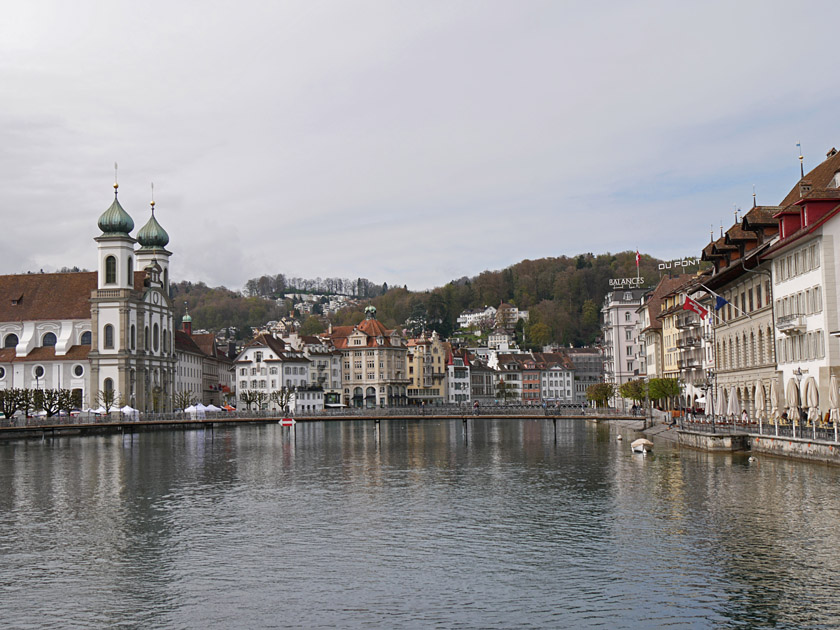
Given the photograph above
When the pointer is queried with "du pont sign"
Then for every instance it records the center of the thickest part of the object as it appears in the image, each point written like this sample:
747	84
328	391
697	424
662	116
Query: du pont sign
682	262
632	283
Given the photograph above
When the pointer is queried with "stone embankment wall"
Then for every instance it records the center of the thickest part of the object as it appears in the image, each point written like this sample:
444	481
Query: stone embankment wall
798	448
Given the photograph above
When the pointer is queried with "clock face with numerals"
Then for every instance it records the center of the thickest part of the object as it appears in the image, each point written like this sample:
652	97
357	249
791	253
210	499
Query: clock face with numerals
155	298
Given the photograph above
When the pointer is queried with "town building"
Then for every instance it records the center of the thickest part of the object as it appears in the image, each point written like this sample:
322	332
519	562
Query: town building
426	360
375	370
476	318
620	326
743	326
804	266
588	366
458	378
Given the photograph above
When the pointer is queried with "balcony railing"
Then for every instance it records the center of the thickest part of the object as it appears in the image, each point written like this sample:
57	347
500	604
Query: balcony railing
688	342
687	322
790	324
689	364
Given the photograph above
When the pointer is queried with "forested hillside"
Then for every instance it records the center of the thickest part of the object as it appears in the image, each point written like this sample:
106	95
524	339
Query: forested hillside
563	296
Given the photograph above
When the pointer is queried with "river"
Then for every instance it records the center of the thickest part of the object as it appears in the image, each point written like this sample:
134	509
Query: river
505	523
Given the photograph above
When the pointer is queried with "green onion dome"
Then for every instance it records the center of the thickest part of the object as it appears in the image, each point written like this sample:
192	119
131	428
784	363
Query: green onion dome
152	234
115	220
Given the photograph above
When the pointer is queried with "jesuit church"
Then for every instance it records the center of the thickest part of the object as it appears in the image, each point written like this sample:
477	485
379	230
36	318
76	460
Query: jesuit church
91	332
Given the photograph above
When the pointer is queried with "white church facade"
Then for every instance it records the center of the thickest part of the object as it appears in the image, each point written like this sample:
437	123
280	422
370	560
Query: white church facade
110	330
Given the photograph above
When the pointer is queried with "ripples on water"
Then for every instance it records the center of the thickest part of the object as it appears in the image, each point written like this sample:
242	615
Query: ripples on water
410	526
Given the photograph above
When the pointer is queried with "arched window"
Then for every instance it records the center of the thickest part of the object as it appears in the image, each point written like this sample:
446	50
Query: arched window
130	278
11	341
163	342
49	340
110	270
133	336
146	338
85	339
108	336
155	337
166	279
108	385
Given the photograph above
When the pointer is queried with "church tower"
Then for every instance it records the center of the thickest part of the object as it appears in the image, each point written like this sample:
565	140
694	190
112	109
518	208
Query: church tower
132	358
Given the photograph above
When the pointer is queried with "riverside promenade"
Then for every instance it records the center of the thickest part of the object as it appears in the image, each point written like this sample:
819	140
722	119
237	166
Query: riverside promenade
40	428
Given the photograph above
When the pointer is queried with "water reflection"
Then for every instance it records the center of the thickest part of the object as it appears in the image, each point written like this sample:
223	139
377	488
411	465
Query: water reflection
501	523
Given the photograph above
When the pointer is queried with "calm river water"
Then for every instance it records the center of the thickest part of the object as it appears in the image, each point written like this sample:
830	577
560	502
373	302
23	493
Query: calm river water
411	526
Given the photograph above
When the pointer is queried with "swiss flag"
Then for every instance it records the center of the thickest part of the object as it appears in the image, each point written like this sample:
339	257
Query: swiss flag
691	305
638	257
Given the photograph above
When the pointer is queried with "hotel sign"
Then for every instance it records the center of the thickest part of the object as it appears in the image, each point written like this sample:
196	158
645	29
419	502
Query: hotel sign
681	262
628	283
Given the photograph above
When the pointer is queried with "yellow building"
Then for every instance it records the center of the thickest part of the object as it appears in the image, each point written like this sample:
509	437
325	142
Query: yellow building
427	370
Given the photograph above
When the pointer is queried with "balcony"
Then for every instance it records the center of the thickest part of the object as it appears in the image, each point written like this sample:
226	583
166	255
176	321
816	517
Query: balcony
689	364
687	322
791	324
688	341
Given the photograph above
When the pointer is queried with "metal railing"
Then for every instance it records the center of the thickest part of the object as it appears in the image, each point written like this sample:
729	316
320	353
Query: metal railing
823	431
465	409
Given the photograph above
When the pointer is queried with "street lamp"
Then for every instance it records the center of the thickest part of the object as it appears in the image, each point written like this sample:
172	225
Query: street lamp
708	386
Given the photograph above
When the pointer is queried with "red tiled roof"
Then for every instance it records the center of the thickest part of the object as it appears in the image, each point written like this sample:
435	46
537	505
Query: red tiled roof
74	353
43	296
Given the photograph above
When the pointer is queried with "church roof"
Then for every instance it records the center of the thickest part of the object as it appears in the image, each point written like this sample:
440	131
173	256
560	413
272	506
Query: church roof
152	235
115	221
40	296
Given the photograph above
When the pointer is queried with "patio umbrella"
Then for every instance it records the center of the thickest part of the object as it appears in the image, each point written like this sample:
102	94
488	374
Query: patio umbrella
720	403
775	405
760	403
833	403
792	402
812	399
734	407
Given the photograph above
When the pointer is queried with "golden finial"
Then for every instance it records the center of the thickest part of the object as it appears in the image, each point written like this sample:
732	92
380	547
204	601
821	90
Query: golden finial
153	198
801	158
116	185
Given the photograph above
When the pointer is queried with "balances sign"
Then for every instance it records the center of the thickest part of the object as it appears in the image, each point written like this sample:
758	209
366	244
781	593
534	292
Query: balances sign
618	283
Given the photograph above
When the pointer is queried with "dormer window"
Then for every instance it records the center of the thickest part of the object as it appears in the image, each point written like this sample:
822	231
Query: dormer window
835	181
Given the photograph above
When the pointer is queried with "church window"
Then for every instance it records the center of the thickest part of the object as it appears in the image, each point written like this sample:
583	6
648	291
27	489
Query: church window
85	338
109	336
163	343
78	370
130	278
108	385
110	270
146	338
155	337
133	336
2	372
48	340
11	341
38	372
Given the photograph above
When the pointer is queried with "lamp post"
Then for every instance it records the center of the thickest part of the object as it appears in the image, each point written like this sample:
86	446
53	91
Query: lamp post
709	386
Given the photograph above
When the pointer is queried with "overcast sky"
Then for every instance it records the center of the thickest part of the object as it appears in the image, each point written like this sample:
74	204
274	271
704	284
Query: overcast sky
406	142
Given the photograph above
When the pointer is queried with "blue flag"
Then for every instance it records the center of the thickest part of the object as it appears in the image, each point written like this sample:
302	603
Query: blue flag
720	302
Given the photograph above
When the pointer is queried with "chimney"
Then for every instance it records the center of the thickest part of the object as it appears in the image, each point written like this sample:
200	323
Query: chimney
831	153
804	187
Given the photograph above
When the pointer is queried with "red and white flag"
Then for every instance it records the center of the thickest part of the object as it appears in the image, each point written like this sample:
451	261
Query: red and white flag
691	305
638	258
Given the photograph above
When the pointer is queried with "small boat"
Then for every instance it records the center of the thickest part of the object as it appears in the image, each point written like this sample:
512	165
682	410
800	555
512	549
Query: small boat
619	438
641	446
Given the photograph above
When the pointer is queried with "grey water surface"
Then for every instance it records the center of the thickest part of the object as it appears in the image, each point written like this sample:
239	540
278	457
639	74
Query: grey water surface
417	524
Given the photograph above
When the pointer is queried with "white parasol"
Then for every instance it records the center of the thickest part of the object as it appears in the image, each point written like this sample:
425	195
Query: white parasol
774	403
720	403
812	399
734	407
833	403
792	402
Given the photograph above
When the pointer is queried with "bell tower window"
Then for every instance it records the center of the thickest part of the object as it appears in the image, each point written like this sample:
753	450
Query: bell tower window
130	280
109	336
110	270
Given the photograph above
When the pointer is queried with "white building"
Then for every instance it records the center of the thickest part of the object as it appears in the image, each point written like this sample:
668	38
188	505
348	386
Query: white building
101	333
457	380
620	325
